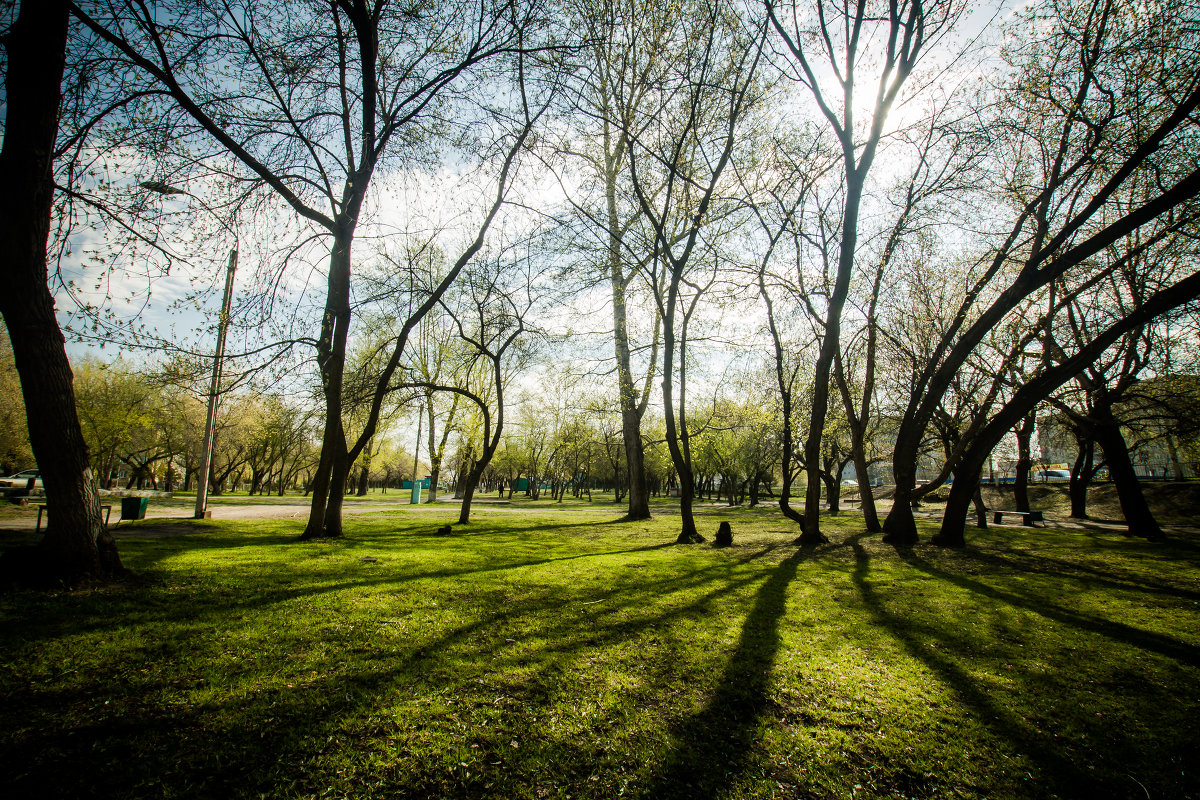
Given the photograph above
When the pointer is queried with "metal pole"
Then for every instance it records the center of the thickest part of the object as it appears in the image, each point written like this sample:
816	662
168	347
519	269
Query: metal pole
210	423
416	490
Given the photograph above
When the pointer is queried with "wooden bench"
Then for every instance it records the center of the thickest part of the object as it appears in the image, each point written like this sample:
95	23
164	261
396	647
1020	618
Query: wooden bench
43	508
1027	517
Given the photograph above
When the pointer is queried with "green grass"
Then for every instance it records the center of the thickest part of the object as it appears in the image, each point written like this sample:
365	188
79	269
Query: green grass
536	655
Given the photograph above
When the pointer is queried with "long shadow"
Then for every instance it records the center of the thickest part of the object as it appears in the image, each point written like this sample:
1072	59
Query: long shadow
217	608
218	748
1146	640
714	746
1062	772
1018	560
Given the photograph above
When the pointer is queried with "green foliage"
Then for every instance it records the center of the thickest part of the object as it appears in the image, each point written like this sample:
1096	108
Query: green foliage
559	654
15	452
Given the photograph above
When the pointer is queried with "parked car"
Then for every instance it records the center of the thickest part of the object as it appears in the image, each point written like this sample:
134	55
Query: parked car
19	483
1052	475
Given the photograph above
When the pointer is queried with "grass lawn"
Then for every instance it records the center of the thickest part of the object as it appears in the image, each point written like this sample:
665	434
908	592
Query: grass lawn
556	653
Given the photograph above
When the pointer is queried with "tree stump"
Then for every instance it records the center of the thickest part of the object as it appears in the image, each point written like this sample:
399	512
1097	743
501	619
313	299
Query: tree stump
724	536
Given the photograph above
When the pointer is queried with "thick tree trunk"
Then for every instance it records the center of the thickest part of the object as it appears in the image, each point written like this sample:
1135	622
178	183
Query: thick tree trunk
338	475
1136	511
76	546
966	478
900	526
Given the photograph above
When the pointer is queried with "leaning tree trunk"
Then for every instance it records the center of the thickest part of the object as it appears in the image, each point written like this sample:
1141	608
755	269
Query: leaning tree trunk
1137	512
76	546
980	507
468	491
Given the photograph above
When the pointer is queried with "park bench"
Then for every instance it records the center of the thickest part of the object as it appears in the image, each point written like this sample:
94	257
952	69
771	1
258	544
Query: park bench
43	508
1027	517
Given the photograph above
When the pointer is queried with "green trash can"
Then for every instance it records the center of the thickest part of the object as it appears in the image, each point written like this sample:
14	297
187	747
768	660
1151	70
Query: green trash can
134	507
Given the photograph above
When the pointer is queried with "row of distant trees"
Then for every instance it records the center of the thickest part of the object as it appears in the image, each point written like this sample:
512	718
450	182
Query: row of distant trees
145	430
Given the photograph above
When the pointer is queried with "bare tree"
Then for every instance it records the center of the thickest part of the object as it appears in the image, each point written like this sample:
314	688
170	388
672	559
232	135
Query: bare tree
680	147
845	38
309	101
1071	153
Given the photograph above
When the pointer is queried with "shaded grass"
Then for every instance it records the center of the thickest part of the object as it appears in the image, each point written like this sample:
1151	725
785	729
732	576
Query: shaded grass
535	655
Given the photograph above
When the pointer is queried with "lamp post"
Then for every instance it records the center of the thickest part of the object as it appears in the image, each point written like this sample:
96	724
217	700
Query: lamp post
416	487
210	422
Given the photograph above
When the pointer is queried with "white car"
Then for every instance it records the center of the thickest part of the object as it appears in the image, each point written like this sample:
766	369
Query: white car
19	483
1052	475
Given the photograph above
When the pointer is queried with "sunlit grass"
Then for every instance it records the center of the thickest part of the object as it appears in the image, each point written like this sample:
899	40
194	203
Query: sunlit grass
564	654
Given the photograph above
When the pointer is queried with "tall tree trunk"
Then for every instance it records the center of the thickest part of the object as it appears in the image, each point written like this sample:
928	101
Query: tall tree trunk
328	486
900	526
830	343
1081	476
435	452
77	545
1024	434
631	408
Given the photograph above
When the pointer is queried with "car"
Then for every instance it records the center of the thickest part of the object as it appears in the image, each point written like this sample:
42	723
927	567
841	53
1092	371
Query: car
20	482
1052	475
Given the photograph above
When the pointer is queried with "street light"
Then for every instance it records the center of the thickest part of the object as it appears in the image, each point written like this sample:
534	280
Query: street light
210	422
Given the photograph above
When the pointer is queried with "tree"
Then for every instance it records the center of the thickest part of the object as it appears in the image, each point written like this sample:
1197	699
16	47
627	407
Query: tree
841	34
1070	158
77	545
309	101
491	311
683	143
629	49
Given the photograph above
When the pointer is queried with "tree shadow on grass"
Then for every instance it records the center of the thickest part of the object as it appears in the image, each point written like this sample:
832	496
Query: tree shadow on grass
715	745
1108	576
1042	606
266	736
1061	772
